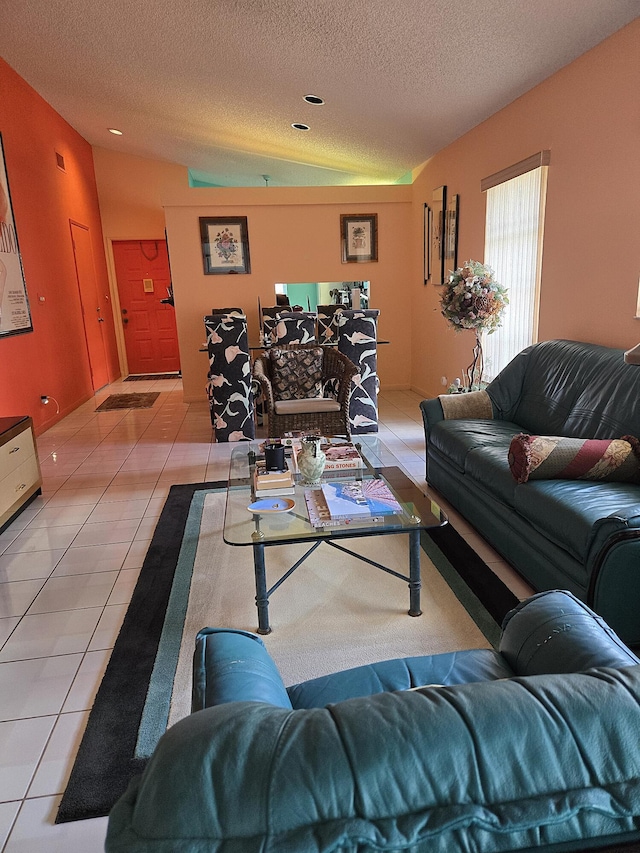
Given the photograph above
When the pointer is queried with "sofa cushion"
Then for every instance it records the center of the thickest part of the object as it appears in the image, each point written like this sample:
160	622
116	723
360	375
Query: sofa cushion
549	457
400	674
569	388
488	466
454	439
297	373
473	404
578	516
507	765
306	405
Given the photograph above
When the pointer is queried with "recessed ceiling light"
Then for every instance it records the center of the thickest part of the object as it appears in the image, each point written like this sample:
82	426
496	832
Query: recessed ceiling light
115	131
299	126
313	99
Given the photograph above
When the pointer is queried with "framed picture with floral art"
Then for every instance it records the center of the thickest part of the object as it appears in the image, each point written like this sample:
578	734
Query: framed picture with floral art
359	236
225	245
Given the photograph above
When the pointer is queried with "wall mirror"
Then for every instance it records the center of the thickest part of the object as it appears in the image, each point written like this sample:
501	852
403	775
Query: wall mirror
308	295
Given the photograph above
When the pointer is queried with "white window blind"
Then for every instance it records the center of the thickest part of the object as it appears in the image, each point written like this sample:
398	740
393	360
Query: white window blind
513	247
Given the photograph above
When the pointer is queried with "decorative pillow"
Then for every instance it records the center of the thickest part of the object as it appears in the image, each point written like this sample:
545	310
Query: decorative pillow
554	457
297	373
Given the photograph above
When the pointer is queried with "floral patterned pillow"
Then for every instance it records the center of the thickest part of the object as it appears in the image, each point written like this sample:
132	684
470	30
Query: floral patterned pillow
553	457
296	373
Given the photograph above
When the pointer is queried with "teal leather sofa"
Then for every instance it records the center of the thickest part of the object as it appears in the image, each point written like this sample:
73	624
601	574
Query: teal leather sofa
532	747
558	534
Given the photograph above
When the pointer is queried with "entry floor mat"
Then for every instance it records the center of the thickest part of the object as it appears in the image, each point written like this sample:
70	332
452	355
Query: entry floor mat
128	401
149	377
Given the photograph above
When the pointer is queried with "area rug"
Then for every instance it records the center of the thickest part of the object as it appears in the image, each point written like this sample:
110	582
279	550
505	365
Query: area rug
148	377
324	618
128	401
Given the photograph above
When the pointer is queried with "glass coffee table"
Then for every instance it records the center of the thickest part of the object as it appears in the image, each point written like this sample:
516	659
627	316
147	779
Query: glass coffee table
261	530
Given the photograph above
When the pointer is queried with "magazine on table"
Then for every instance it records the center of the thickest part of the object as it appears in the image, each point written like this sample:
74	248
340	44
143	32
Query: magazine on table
339	502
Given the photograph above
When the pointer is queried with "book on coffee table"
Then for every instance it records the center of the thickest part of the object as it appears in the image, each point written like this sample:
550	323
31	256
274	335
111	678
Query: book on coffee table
274	491
272	483
341	456
342	502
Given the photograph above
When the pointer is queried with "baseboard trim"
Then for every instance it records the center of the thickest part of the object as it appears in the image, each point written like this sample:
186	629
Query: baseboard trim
424	394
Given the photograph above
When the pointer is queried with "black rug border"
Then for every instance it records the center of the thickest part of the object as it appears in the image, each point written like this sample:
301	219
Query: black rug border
494	595
105	762
104	765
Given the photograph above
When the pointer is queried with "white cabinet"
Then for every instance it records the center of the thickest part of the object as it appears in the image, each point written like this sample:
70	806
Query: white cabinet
20	478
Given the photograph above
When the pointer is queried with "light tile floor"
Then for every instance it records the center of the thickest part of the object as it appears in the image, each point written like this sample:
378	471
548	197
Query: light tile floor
68	566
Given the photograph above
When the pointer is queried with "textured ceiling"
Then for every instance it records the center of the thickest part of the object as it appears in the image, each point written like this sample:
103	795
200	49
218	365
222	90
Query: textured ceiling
215	85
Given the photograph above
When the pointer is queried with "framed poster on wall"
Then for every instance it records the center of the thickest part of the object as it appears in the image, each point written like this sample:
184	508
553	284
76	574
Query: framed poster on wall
438	210
15	314
427	243
451	252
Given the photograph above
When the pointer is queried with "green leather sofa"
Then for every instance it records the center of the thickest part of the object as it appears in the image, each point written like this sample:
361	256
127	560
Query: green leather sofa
532	747
558	534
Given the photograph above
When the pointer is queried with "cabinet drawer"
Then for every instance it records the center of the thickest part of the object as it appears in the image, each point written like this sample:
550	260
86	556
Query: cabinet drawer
16	451
18	485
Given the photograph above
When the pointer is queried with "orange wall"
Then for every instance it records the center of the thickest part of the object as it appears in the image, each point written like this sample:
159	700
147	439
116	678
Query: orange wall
130	189
294	235
53	358
588	115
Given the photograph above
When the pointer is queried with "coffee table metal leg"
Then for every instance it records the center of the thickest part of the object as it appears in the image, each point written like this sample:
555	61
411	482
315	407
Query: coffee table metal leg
262	602
415	583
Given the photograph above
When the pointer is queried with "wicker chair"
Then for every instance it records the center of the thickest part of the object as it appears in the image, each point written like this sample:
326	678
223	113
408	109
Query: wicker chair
329	415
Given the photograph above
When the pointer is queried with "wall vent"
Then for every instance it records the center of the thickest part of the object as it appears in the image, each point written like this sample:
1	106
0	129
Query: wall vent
60	162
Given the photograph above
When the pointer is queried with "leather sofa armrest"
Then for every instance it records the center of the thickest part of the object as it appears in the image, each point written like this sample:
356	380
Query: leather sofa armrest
431	414
234	666
554	632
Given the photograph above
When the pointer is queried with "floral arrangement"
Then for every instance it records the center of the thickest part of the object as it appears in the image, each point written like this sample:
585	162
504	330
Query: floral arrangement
472	299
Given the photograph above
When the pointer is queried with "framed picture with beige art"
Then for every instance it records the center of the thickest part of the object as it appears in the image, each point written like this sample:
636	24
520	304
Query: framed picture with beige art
359	235
15	314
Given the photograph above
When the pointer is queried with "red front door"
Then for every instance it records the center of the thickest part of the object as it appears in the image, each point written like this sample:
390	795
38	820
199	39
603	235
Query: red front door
143	276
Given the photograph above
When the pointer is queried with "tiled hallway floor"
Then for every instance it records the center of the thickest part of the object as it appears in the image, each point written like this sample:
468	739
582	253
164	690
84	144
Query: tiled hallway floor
68	566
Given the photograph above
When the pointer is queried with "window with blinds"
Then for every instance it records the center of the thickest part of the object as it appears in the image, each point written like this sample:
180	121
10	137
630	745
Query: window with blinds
513	247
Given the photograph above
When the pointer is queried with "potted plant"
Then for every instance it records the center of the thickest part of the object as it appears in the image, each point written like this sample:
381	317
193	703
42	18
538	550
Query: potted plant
473	299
